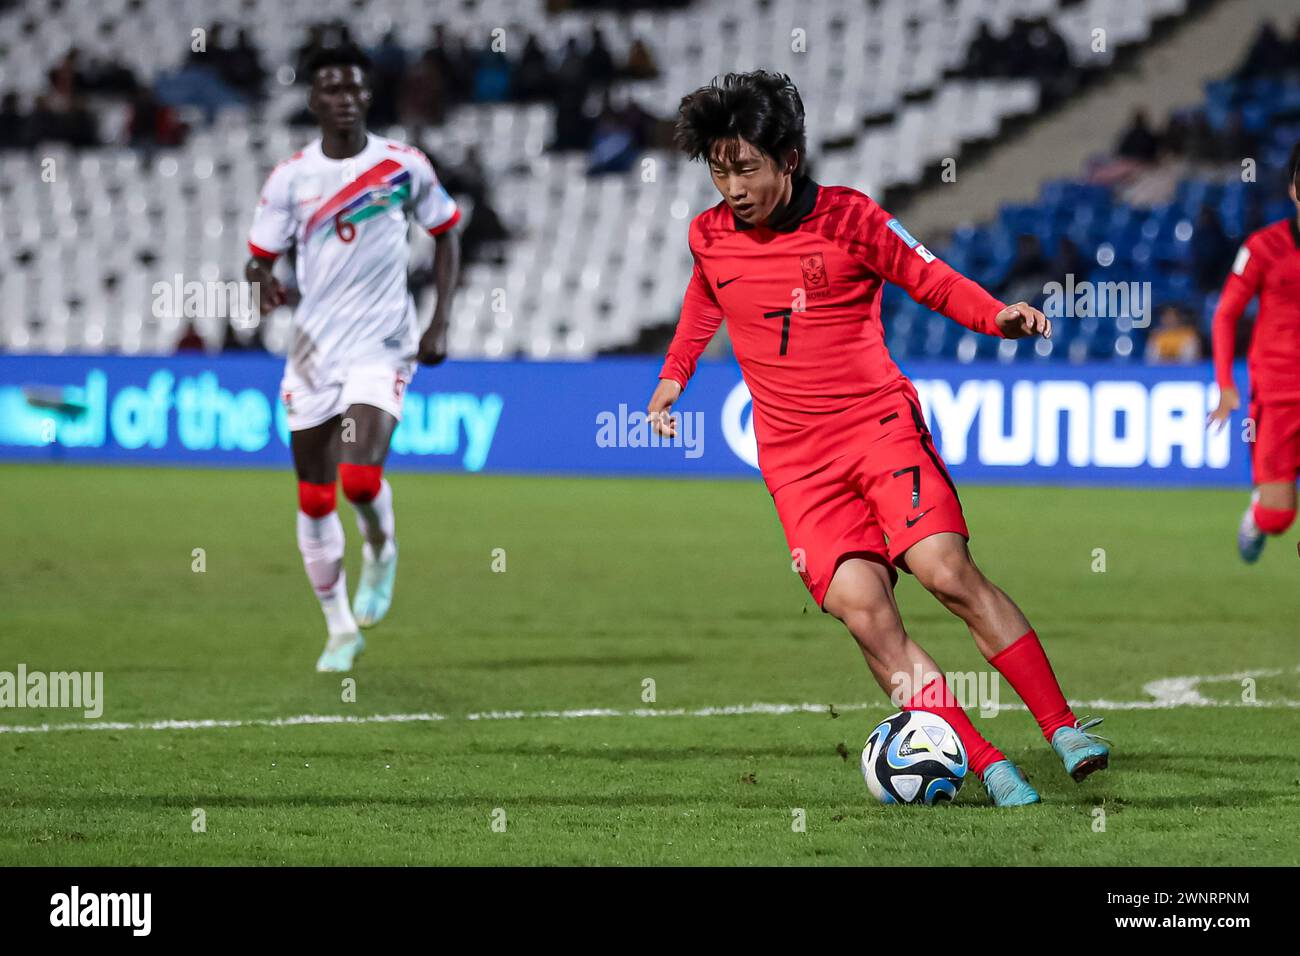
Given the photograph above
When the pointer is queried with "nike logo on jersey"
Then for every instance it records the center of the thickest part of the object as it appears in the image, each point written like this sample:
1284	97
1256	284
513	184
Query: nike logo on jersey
728	282
912	521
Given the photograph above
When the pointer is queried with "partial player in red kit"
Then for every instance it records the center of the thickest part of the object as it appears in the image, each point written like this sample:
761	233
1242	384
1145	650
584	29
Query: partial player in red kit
1268	266
797	269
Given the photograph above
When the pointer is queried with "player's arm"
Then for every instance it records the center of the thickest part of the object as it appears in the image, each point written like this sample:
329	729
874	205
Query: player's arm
270	234
700	318
886	248
446	278
1241	286
437	212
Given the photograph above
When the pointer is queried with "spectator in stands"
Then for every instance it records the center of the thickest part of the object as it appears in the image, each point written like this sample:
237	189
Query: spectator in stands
423	99
453	64
1211	251
153	124
387	73
65	80
1236	142
1139	142
1067	261
533	73
71	123
321	36
984	57
484	226
1049	60
1175	339
617	139
599	62
241	67
215	55
190	340
493	74
572	125
13	124
641	63
315	41
1268	55
109	79
1029	271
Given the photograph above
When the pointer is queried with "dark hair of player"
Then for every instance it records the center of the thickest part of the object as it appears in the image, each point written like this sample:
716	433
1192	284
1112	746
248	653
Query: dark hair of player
1293	168
348	54
761	108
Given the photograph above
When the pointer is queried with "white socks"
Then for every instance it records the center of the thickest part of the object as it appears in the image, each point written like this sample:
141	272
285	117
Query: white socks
375	521
321	542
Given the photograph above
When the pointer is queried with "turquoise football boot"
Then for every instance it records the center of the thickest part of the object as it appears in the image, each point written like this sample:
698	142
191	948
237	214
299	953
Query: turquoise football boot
1082	753
1007	786
1250	540
340	653
375	589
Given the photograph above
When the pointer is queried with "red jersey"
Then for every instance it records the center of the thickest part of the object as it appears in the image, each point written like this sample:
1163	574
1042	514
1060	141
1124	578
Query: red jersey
1267	265
801	296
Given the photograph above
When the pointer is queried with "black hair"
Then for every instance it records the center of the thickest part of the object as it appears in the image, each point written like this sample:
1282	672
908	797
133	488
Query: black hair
761	108
1293	168
347	54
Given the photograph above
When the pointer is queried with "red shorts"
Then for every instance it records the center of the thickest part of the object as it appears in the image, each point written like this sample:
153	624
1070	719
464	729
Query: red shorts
1275	455
887	491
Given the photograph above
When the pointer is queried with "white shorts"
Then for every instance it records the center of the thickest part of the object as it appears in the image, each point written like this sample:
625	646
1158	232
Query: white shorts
381	384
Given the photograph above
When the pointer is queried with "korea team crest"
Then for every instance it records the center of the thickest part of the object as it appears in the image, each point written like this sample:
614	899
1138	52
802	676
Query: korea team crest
814	271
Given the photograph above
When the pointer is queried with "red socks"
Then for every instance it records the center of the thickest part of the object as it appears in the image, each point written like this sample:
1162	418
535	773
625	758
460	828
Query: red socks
1029	673
1273	520
936	698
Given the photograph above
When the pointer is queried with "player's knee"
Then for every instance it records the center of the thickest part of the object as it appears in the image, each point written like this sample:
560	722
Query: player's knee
1273	520
315	500
361	483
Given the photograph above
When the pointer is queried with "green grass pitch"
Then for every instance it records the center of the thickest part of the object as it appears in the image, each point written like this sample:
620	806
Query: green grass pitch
608	584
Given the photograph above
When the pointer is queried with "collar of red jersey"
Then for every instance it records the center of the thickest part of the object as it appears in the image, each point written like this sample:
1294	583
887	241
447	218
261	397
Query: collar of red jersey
803	197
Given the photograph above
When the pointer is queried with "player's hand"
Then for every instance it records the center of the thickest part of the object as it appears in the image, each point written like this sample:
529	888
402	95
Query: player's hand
661	403
1229	402
1022	319
433	347
271	293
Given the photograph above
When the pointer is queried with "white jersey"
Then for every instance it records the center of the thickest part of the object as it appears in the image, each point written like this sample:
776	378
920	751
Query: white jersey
348	221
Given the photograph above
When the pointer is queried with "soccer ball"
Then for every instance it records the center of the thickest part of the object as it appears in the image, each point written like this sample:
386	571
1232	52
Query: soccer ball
914	757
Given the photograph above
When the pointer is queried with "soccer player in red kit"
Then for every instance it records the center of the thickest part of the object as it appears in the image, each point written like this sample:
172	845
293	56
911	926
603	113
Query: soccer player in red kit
1268	266
797	270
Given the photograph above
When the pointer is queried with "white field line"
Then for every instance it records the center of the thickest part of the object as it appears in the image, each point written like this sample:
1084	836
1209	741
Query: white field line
1168	694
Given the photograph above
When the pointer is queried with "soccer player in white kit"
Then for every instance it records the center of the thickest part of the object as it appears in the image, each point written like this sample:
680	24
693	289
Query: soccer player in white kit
342	204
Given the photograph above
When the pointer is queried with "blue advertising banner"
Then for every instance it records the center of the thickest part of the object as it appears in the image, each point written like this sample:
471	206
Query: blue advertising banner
1068	424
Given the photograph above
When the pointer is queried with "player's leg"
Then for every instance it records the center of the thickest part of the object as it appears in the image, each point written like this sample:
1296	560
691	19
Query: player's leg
910	489
943	565
1275	462
321	541
365	436
861	596
839	550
